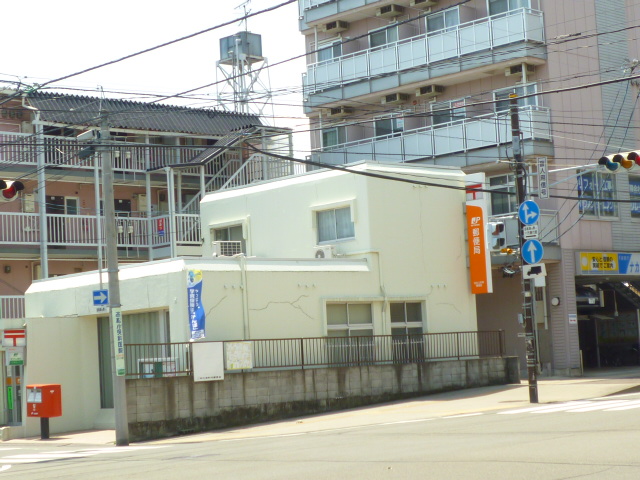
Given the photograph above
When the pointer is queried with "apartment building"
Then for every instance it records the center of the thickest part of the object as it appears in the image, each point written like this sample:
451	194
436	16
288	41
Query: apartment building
428	81
165	158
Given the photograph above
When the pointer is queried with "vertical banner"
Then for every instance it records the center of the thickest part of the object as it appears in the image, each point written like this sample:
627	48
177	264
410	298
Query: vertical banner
479	259
118	341
160	226
194	302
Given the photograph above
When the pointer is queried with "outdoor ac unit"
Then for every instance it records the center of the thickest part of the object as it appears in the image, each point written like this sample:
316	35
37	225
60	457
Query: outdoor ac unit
395	98
517	69
429	91
423	3
390	11
325	251
338	112
226	249
336	27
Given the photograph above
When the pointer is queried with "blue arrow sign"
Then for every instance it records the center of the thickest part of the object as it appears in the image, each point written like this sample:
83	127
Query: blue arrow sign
532	251
529	212
100	297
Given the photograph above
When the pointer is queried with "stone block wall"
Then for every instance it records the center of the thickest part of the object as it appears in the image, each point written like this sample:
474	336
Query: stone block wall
159	407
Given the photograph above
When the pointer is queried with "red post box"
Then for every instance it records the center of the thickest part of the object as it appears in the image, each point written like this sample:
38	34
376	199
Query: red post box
44	401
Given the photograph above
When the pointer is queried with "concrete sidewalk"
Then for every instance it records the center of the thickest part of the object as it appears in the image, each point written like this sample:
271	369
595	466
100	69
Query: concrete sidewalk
556	389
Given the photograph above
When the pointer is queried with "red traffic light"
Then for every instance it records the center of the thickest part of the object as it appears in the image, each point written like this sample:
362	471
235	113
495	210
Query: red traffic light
626	160
10	189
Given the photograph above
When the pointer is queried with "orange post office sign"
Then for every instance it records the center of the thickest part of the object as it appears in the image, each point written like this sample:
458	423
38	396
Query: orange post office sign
479	260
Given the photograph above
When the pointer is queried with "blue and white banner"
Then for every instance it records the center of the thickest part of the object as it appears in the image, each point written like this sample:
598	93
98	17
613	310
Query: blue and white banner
194	302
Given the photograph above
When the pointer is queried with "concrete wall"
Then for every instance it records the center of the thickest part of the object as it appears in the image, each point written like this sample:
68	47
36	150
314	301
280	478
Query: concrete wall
175	405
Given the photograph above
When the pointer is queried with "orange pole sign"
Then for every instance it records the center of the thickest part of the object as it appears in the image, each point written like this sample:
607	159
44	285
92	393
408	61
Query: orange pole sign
479	261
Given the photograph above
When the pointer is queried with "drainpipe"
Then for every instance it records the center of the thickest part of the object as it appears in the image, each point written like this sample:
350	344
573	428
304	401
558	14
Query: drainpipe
96	187
172	211
246	331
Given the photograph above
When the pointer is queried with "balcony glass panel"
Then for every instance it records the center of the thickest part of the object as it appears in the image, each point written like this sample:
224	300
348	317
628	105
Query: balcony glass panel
442	139
486	33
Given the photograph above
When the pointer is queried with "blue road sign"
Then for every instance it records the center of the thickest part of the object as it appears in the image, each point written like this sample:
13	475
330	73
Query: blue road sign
529	212
100	297
532	251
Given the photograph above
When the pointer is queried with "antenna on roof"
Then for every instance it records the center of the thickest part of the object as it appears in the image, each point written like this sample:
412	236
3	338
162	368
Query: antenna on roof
245	8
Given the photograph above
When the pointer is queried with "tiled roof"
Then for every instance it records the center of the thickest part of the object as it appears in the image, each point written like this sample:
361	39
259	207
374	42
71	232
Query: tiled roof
85	111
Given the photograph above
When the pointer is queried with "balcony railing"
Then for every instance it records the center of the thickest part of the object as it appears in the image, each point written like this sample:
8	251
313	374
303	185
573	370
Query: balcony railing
171	359
458	136
519	25
23	149
82	230
11	306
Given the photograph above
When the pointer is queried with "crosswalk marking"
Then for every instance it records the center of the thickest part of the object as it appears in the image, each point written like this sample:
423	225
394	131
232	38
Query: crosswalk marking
64	455
578	407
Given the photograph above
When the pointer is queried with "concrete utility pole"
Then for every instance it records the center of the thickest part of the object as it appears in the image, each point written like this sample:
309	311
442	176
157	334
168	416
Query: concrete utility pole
527	300
115	314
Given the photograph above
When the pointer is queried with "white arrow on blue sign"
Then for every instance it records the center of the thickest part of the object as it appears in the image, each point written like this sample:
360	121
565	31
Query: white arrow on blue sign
532	251
529	212
100	297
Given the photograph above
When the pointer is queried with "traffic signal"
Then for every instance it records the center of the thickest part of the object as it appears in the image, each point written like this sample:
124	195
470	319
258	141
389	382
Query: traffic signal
617	161
497	236
10	189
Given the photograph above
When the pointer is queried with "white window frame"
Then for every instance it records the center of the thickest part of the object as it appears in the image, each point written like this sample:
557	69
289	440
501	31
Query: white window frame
67	208
444	14
327	44
511	5
328	208
352	329
243	224
340	131
397	124
408	345
525	89
509	186
387	31
455	113
605	188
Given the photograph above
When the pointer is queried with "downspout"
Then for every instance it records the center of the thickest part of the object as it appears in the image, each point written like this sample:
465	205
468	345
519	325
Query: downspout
96	188
246	331
172	211
385	300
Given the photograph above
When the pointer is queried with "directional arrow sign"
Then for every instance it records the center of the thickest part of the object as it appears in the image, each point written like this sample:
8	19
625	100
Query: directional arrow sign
100	297
532	251
529	212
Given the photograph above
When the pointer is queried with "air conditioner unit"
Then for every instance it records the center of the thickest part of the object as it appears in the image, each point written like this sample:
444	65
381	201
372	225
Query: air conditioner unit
325	251
340	112
390	11
429	91
517	69
395	98
226	249
336	27
423	3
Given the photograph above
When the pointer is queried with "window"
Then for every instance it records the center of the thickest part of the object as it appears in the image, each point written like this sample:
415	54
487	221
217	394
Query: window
329	51
601	187
229	234
445	19
350	332
335	224
388	126
379	38
501	6
634	194
503	101
445	112
406	331
504	202
333	136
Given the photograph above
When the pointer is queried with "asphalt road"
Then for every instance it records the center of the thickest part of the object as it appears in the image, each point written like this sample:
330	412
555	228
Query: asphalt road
594	439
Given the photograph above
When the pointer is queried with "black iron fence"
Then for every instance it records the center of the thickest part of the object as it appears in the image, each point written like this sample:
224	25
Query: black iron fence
171	359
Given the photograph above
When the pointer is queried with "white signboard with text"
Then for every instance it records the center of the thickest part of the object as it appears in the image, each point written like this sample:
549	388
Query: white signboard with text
208	361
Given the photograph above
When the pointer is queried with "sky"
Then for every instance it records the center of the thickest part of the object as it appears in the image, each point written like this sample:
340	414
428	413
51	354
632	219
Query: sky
50	40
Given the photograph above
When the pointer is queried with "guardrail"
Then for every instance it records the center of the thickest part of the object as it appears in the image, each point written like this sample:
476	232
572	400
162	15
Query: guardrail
172	359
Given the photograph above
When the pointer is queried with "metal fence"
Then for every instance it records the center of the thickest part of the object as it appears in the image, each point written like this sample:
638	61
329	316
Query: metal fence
172	359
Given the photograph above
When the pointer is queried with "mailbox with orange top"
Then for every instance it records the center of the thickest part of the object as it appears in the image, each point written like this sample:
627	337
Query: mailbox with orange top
44	401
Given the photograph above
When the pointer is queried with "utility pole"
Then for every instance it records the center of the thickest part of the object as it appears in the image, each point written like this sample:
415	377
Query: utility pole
527	300
115	314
